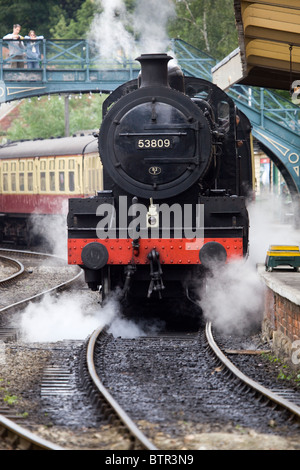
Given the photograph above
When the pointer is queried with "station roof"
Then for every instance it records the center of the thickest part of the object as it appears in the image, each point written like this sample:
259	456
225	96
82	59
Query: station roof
269	39
75	145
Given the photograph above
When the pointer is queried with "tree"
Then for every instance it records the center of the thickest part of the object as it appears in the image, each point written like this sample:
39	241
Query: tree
206	24
39	15
30	14
44	117
74	27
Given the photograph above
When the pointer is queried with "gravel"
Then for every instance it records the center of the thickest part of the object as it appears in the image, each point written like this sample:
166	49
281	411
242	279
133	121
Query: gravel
22	369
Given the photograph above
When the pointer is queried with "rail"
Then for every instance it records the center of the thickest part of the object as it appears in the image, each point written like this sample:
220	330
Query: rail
122	415
15	264
268	394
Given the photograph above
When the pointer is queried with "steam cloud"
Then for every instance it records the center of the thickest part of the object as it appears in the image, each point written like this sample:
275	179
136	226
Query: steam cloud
73	316
52	231
116	33
268	226
233	296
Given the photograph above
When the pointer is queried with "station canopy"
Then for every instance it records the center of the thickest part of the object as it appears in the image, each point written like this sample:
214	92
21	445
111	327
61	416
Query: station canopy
269	45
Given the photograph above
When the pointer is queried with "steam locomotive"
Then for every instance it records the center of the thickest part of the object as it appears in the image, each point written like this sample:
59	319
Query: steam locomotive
177	172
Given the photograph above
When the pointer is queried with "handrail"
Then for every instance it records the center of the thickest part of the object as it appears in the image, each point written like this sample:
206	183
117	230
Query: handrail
266	102
61	53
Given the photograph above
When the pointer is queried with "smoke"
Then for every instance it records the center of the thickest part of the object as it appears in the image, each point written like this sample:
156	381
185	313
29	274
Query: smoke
117	34
233	295
271	223
150	23
51	231
232	298
65	317
75	316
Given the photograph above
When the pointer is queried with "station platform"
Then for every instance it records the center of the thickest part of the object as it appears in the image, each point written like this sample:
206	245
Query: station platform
281	323
283	281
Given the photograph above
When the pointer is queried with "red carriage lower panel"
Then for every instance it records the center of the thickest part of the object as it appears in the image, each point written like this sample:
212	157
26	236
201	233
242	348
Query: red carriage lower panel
171	251
34	203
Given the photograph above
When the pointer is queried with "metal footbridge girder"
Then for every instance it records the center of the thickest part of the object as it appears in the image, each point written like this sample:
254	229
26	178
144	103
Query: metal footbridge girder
275	120
276	125
65	66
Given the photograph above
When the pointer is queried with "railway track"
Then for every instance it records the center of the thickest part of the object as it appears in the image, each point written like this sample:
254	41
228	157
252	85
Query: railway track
279	397
15	265
242	383
138	436
18	436
58	380
20	259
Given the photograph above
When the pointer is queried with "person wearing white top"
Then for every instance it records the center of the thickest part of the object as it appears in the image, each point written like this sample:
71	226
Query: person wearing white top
16	48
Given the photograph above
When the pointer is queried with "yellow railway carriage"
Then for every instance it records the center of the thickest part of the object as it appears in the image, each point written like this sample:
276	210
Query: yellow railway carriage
38	177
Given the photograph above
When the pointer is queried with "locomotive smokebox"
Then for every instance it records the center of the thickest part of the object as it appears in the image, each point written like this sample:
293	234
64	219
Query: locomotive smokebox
154	69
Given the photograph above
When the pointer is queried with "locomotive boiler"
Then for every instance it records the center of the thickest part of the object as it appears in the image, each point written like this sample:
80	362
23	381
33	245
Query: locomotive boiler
177	172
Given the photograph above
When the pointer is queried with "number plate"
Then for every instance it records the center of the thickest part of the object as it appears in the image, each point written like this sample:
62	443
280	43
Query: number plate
154	143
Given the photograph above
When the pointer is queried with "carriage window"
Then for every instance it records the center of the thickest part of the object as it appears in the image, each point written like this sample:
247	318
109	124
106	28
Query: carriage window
71	181
71	164
5	182
13	166
52	181
61	164
78	175
30	181
21	166
30	166
21	182
13	182
61	180
5	167
52	165
43	165
43	181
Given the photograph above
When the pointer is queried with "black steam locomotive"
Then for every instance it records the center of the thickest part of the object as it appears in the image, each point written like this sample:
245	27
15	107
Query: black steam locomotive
177	171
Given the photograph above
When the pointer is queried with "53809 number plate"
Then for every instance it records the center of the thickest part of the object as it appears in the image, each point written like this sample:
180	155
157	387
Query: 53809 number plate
154	143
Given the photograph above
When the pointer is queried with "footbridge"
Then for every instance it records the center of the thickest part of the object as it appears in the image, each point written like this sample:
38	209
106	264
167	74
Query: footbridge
275	120
66	66
70	66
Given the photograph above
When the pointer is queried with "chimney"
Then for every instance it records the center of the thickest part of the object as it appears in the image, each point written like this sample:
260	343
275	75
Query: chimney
154	69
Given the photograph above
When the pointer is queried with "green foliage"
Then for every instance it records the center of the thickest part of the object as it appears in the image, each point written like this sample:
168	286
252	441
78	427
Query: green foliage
77	26
208	25
39	15
11	399
44	118
284	372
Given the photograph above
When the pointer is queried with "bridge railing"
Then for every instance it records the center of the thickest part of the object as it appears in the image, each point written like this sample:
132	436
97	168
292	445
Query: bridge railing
76	61
269	104
56	54
193	61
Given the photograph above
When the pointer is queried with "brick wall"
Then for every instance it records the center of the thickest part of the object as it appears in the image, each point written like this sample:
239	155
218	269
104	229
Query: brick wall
282	325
